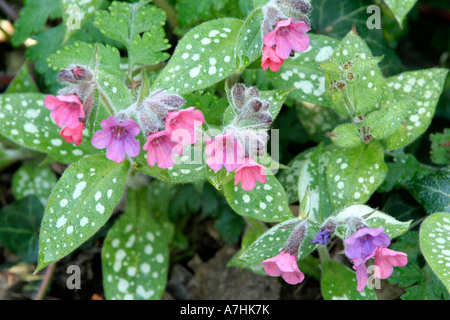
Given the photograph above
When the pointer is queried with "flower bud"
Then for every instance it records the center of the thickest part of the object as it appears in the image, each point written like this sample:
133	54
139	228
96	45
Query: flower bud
296	238
238	95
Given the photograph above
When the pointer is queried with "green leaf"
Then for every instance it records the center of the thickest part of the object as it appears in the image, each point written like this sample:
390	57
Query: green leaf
114	92
19	227
273	240
423	89
189	167
32	17
289	177
302	71
22	82
125	22
346	135
203	57
432	191
313	179
339	283
80	204
375	219
435	244
27	122
249	40
440	147
135	254
400	172
32	179
355	173
81	53
400	8
212	106
266	202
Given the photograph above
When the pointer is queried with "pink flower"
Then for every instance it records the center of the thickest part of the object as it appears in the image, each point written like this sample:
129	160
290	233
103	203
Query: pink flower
224	150
270	59
288	36
73	135
248	173
66	110
161	149
181	124
284	264
385	261
118	138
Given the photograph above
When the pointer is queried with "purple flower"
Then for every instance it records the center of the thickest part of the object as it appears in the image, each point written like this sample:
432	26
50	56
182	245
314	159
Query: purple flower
363	243
323	237
118	138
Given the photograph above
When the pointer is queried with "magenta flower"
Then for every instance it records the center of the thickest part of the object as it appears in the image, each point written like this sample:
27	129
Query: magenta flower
363	243
270	59
288	36
118	138
248	173
224	150
181	124
73	135
284	264
161	149
66	110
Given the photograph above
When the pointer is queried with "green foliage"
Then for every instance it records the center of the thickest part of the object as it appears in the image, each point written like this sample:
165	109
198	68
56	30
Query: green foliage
440	147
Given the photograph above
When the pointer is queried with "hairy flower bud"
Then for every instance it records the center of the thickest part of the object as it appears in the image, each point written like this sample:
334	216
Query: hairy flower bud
296	8
75	74
238	95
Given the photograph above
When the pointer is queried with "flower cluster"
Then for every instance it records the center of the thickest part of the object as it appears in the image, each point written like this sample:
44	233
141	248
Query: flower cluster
282	35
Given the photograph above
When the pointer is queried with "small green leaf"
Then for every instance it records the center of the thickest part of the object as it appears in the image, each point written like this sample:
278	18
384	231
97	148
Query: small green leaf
355	173
266	202
346	135
440	147
32	179
435	244
114	92
432	191
339	283
374	218
19	227
80	204
27	122
135	254
203	57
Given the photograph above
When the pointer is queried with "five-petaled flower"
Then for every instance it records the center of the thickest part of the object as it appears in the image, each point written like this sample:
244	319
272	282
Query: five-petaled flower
118	137
66	110
287	36
248	173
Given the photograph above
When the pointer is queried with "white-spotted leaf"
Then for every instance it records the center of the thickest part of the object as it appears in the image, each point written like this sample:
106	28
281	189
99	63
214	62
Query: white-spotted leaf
80	204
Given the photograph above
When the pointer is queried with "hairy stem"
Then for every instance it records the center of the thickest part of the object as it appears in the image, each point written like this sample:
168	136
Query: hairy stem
45	282
323	253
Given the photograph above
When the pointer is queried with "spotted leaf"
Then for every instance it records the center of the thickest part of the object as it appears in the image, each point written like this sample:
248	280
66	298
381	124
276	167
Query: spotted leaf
27	122
80	204
266	202
423	88
435	244
250	41
203	57
355	173
135	254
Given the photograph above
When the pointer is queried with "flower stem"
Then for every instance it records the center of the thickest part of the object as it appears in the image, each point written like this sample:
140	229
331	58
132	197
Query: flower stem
323	253
45	282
